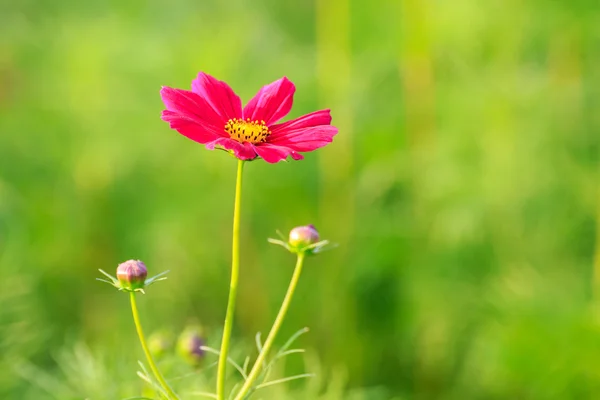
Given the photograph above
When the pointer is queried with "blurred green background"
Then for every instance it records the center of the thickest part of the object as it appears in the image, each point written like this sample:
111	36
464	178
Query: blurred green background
463	190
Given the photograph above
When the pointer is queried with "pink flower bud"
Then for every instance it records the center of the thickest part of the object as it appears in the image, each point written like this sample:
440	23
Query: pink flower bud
190	343
132	274
303	236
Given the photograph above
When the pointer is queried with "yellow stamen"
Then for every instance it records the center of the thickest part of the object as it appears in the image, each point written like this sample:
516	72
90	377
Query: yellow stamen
247	131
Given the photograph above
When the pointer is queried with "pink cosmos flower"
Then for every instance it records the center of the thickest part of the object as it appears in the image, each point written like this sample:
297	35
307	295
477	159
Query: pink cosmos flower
212	114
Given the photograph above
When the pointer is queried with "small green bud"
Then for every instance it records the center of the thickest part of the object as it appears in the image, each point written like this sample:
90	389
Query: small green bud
132	274
160	343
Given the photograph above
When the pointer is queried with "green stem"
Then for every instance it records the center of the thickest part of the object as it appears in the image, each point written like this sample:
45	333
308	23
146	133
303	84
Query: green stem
235	266
256	369
153	367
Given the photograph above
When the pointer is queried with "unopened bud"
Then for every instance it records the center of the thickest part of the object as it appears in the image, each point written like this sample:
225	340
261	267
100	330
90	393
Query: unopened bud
131	277
160	343
302	240
189	345
303	236
132	274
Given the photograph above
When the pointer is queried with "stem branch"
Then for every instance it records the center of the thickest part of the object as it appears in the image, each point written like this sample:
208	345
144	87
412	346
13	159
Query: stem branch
153	367
256	369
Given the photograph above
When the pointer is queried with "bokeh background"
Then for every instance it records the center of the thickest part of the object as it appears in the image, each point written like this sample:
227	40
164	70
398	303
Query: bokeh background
463	190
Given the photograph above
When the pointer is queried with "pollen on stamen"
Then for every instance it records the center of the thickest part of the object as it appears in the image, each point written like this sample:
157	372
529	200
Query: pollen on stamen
247	131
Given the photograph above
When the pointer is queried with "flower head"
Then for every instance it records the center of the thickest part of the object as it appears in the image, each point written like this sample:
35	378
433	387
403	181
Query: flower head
132	277
132	274
302	239
190	345
303	236
212	114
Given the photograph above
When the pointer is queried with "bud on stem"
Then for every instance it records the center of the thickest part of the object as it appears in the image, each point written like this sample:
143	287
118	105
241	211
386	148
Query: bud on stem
132	274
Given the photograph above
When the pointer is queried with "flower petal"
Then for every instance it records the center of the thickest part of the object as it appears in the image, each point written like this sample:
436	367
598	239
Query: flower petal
243	151
193	107
305	139
272	102
321	117
272	153
219	95
189	128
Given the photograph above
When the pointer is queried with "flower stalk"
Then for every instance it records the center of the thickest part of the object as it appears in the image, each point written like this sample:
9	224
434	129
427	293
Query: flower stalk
256	369
138	326
235	266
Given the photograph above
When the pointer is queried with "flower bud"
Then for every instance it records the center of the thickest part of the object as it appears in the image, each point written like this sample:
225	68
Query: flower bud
132	274
160	343
189	344
303	236
303	240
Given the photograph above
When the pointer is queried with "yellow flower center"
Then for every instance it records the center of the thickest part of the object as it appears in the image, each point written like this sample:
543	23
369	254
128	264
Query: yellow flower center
247	131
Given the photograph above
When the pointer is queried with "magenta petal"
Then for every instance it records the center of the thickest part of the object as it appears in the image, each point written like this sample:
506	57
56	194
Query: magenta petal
189	128
272	102
297	156
191	106
305	139
243	151
321	117
219	95
272	153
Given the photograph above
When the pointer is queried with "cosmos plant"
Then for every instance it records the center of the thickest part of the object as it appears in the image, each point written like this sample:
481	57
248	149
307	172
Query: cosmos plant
212	114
